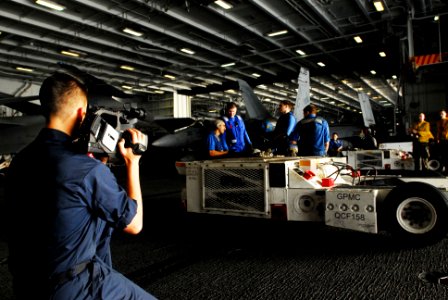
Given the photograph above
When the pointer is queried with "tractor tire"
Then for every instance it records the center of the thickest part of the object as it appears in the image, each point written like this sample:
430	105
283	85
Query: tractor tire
416	214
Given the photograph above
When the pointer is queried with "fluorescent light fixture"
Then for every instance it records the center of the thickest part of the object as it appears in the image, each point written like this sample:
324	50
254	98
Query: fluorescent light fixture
50	4
127	87
373	72
126	67
23	69
188	51
436	18
69	53
321	64
223	4
158	92
275	33
132	32
300	52
382	54
378	5
227	65
169	76
358	39
256	75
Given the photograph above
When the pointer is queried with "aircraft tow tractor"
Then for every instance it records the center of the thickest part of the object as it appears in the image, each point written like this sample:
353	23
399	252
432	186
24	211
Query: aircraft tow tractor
320	189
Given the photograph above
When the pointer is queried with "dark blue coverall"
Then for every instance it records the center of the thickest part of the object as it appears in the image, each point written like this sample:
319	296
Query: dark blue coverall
311	134
62	209
282	131
236	135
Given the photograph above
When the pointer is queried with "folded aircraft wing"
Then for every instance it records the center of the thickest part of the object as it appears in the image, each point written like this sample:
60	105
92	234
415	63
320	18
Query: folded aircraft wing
254	108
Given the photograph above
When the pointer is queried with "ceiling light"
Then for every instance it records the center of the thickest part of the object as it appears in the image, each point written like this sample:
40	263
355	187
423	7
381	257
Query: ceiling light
394	76
23	69
188	51
127	87
373	72
132	32
50	4
227	65
126	67
69	53
358	39
378	5
223	4
436	18
256	75
275	33
300	52
169	76
382	54
321	64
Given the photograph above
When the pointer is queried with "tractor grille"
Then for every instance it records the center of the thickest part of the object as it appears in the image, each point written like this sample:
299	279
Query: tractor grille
369	159
237	190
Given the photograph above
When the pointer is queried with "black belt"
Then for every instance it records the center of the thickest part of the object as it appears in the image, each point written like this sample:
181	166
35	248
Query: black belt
71	273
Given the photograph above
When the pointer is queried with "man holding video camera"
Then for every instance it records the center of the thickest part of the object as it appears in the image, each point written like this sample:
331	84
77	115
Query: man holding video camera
64	205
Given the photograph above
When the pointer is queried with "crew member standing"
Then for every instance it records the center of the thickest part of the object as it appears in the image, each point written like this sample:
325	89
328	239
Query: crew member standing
63	207
236	135
283	128
311	134
335	146
442	139
420	147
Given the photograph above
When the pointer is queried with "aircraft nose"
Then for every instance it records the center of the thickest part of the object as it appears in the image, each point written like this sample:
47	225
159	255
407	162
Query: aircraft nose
164	141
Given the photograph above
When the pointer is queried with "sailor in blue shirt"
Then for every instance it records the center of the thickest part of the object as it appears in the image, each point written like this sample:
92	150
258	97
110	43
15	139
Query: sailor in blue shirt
63	207
311	134
216	143
236	135
335	146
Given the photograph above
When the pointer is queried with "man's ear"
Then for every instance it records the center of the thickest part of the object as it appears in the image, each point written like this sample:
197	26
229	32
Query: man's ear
80	115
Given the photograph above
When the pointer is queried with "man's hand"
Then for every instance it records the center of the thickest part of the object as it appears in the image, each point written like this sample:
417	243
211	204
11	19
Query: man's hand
128	153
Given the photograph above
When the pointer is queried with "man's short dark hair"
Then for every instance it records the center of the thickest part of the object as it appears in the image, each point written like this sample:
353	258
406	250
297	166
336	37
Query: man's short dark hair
53	90
230	105
311	108
287	103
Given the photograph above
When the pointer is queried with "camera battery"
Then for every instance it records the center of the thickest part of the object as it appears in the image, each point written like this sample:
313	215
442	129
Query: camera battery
108	136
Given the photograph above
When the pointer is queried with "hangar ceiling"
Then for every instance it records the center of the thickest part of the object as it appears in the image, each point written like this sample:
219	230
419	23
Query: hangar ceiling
198	48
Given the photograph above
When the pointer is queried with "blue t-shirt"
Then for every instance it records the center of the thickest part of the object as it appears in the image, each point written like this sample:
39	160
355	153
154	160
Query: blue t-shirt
217	143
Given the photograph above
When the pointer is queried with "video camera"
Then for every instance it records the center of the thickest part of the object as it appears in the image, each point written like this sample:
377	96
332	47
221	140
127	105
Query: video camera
102	129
